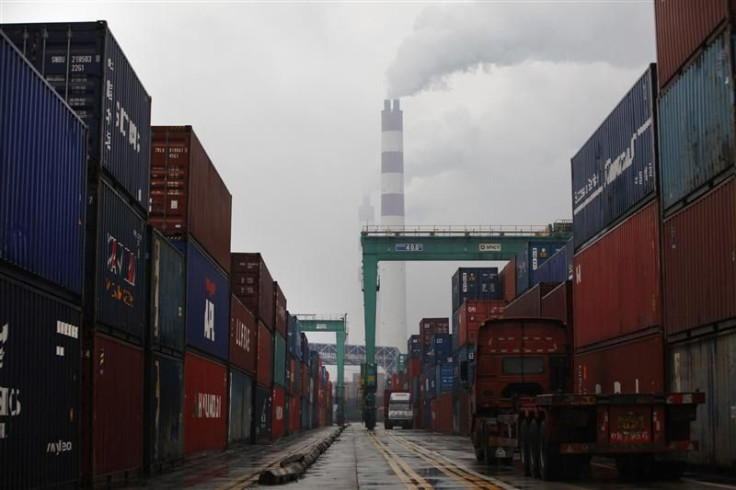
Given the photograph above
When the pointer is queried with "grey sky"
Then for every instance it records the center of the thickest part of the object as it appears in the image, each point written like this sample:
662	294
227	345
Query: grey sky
286	99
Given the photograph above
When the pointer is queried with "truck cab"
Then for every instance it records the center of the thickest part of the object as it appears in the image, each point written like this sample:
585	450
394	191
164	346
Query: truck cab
397	410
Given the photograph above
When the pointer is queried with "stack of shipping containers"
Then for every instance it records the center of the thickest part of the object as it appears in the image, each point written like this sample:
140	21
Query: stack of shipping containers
40	293
294	382
279	321
695	53
428	329
414	379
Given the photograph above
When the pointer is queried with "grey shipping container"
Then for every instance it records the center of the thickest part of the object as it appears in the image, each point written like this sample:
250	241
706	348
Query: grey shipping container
262	413
86	66
39	388
167	293
166	417
614	172
42	175
116	266
708	365
696	125
241	407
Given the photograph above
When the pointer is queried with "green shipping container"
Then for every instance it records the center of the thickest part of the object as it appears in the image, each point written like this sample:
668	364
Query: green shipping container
279	360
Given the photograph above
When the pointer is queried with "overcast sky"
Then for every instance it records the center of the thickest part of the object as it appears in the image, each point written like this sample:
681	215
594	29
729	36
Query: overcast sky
286	99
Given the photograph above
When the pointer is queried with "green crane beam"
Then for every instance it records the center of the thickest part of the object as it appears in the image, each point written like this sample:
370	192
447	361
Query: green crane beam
433	244
338	325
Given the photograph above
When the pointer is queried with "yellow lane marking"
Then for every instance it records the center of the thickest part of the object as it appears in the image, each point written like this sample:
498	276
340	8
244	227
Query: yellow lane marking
446	466
394	461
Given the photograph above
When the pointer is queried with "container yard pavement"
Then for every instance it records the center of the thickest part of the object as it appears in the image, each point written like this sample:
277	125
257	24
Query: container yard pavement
242	467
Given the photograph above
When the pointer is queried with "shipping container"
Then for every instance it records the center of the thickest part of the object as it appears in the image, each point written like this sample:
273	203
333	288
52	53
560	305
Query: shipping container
528	261
188	196
294	337
264	363
305	379
433	415
475	283
696	125
305	348
208	301
243	337
557	268
279	310
294	415
165	411
167	292
463	413
39	373
441	348
279	360
682	27
86	66
263	414
558	304
414	346
444	378
508	277
464	361
278	417
427	412
43	165
116	281
431	326
614	172
470	317
253	284
205	404
443	413
633	366
698	264
708	365
304	416
241	407
529	304
617	281
112	408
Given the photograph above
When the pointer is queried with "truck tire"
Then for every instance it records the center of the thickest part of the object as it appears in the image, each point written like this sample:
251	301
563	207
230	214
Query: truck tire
549	458
524	448
534	448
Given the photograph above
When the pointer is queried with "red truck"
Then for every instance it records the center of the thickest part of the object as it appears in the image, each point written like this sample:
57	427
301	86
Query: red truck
521	401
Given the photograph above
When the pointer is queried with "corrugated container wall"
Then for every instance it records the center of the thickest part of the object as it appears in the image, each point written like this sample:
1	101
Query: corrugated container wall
279	360
698	265
470	317
243	336
475	283
414	346
614	172
557	268
264	363
119	284
682	26
294	414
279	310
509	280
39	373
167	293
205	404
112	390
708	365
241	407
431	326
253	284
85	64
263	414
558	304
530	259
166	408
278	416
208	302
636	366
529	304
187	193
294	337
696	125
617	281
43	165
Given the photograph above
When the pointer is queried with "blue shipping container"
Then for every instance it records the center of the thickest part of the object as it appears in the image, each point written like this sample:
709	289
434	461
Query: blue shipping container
120	265
304	413
696	124
42	175
557	268
241	407
166	403
279	360
208	301
167	293
85	64
442	344
444	378
305	348
475	283
530	259
614	171
39	400
294	334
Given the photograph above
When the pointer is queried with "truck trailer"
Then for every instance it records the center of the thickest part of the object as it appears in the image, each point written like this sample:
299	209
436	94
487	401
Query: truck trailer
521	401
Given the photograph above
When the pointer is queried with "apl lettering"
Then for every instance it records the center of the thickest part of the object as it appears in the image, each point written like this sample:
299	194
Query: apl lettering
121	260
209	320
209	406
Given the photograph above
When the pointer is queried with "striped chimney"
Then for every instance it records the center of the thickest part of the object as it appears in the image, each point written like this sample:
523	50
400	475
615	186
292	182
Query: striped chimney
392	329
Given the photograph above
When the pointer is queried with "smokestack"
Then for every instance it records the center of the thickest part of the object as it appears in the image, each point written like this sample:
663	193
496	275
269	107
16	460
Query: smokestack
392	329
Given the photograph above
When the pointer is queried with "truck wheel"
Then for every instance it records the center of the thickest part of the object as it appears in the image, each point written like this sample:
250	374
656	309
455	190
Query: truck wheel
480	454
534	448
549	459
524	447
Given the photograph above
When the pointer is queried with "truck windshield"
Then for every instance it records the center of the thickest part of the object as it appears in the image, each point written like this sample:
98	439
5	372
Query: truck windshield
400	406
523	365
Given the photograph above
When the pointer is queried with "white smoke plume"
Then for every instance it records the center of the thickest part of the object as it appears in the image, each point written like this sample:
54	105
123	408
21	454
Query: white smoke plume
458	38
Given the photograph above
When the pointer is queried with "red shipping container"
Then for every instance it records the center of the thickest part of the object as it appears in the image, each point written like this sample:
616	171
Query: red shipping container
473	313
278	418
433	412
205	404
635	366
292	378
699	268
419	416
280	318
187	193
112	407
305	379
413	367
251	281
558	303
295	414
264	365
464	413
431	326
508	277
529	304
243	334
616	281
444	413
682	27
